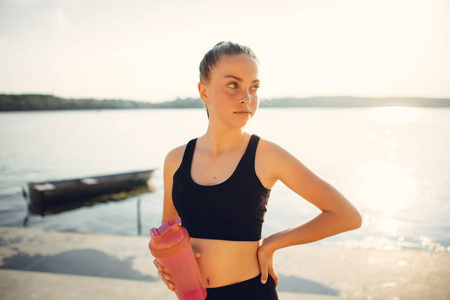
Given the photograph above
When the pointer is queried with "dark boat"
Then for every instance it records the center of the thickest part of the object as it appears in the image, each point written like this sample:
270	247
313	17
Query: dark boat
49	197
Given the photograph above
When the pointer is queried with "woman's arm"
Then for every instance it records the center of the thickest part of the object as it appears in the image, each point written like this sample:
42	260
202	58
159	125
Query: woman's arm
337	213
171	164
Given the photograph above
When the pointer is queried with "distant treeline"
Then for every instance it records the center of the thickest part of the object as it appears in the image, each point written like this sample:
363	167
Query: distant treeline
355	102
48	102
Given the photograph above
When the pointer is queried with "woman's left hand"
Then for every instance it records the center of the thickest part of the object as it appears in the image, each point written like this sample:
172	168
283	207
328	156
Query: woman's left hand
265	259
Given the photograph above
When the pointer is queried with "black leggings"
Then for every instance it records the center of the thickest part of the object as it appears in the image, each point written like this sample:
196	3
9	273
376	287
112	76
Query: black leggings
245	290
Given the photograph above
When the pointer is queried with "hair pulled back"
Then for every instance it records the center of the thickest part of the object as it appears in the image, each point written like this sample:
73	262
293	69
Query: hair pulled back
212	57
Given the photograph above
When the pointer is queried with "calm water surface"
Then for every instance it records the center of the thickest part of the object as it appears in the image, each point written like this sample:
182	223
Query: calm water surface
392	163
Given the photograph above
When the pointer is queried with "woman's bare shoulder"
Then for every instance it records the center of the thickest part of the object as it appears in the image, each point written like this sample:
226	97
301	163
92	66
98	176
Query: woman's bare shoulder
269	148
268	162
175	156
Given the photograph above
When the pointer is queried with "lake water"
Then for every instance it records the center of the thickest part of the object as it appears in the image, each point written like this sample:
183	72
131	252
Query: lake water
392	163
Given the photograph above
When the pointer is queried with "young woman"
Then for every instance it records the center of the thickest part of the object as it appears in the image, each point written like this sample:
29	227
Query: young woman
219	185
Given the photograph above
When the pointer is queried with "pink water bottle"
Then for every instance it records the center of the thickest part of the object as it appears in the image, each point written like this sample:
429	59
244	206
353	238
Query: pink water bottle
170	245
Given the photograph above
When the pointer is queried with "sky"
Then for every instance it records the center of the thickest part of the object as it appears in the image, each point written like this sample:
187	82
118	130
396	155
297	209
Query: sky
149	50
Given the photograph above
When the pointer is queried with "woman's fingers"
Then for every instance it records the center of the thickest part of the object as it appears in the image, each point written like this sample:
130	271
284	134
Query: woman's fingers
166	279
196	253
164	276
265	260
263	267
156	263
169	284
274	276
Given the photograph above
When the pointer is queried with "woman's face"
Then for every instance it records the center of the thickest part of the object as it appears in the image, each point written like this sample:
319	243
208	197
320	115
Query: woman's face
231	92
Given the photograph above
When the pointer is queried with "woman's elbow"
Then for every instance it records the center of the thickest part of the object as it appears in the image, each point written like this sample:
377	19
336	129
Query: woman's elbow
354	220
349	218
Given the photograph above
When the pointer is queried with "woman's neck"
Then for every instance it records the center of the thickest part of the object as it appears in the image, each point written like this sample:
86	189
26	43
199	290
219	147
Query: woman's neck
219	141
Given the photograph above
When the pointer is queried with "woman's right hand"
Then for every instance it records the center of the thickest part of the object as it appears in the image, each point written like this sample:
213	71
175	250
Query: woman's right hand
165	276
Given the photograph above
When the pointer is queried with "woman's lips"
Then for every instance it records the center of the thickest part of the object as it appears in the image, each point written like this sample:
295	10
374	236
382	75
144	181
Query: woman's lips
243	112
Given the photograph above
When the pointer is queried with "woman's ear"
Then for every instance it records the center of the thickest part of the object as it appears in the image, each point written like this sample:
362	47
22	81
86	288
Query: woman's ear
202	90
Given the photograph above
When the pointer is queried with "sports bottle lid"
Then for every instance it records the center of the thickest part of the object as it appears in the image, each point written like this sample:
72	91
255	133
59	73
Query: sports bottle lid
168	239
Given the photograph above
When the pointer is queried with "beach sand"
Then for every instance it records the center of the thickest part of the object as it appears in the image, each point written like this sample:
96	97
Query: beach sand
39	264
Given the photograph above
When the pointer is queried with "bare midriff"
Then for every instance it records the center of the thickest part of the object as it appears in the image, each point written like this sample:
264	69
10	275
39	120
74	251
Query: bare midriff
226	262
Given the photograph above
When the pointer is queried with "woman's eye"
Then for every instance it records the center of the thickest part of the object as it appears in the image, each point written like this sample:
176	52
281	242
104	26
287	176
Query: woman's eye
255	88
232	85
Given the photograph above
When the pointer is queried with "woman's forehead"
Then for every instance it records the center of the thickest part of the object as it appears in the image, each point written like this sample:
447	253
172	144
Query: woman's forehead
236	65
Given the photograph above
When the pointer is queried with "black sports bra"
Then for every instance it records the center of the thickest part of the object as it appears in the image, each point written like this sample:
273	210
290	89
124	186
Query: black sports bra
232	210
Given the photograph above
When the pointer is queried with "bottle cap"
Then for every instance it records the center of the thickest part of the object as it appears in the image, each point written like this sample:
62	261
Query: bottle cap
168	239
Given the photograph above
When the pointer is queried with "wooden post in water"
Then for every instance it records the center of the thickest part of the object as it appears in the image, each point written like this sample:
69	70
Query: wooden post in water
139	216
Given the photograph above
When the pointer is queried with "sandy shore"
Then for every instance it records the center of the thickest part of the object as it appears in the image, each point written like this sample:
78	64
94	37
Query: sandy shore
38	264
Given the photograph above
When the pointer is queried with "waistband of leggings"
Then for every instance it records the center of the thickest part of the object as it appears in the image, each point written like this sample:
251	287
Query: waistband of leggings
257	278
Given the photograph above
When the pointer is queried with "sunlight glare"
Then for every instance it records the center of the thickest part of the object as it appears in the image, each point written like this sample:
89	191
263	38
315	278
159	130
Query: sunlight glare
389	226
386	186
396	115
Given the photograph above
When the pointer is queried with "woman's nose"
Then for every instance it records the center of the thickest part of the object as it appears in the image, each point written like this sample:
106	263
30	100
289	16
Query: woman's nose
245	97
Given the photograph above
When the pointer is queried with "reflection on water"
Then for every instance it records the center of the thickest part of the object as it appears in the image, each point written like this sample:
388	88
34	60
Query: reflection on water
386	186
392	163
390	226
392	186
396	115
